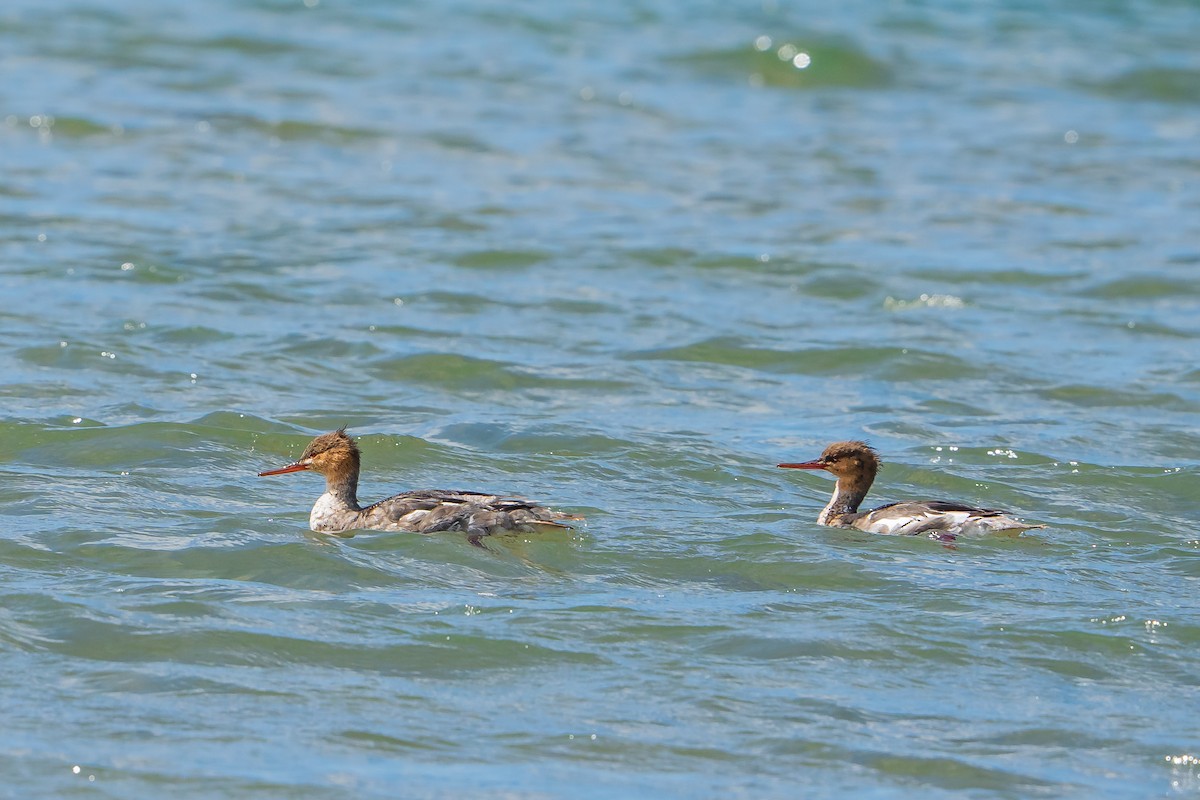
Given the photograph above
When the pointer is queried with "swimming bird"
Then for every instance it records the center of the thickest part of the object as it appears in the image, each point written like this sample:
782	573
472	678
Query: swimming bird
855	465
336	456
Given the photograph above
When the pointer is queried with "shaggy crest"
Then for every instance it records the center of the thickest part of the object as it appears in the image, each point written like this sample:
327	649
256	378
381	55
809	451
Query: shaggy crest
334	440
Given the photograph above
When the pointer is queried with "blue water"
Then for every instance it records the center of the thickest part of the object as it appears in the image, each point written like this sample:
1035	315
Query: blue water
622	259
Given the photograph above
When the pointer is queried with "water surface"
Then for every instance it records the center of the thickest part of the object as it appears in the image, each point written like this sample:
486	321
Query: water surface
623	260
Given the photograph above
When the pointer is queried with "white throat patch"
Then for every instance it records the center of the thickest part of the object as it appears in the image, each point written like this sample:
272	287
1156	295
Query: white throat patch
823	517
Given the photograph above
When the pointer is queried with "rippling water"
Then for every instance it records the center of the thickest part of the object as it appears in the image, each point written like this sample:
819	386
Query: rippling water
622	259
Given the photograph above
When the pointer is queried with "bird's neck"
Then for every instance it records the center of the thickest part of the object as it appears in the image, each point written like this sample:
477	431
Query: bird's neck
848	495
342	484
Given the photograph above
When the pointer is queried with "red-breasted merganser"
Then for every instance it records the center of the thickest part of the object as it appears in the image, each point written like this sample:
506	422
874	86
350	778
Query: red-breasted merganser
335	455
855	465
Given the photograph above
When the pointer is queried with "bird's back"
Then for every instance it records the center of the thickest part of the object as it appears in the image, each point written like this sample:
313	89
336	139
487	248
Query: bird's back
934	516
478	514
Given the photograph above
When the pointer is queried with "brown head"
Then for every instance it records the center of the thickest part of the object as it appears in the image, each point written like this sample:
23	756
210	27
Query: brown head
853	461
333	454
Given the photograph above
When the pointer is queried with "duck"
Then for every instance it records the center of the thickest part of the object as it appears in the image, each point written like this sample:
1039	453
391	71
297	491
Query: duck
855	465
336	456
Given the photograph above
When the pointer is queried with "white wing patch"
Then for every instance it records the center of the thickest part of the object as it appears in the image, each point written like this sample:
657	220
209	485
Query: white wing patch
906	521
908	524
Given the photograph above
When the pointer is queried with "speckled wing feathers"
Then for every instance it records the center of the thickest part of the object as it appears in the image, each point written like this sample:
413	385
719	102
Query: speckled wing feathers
478	514
932	516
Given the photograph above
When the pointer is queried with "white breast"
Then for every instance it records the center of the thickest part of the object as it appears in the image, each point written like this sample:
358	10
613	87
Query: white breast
330	515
